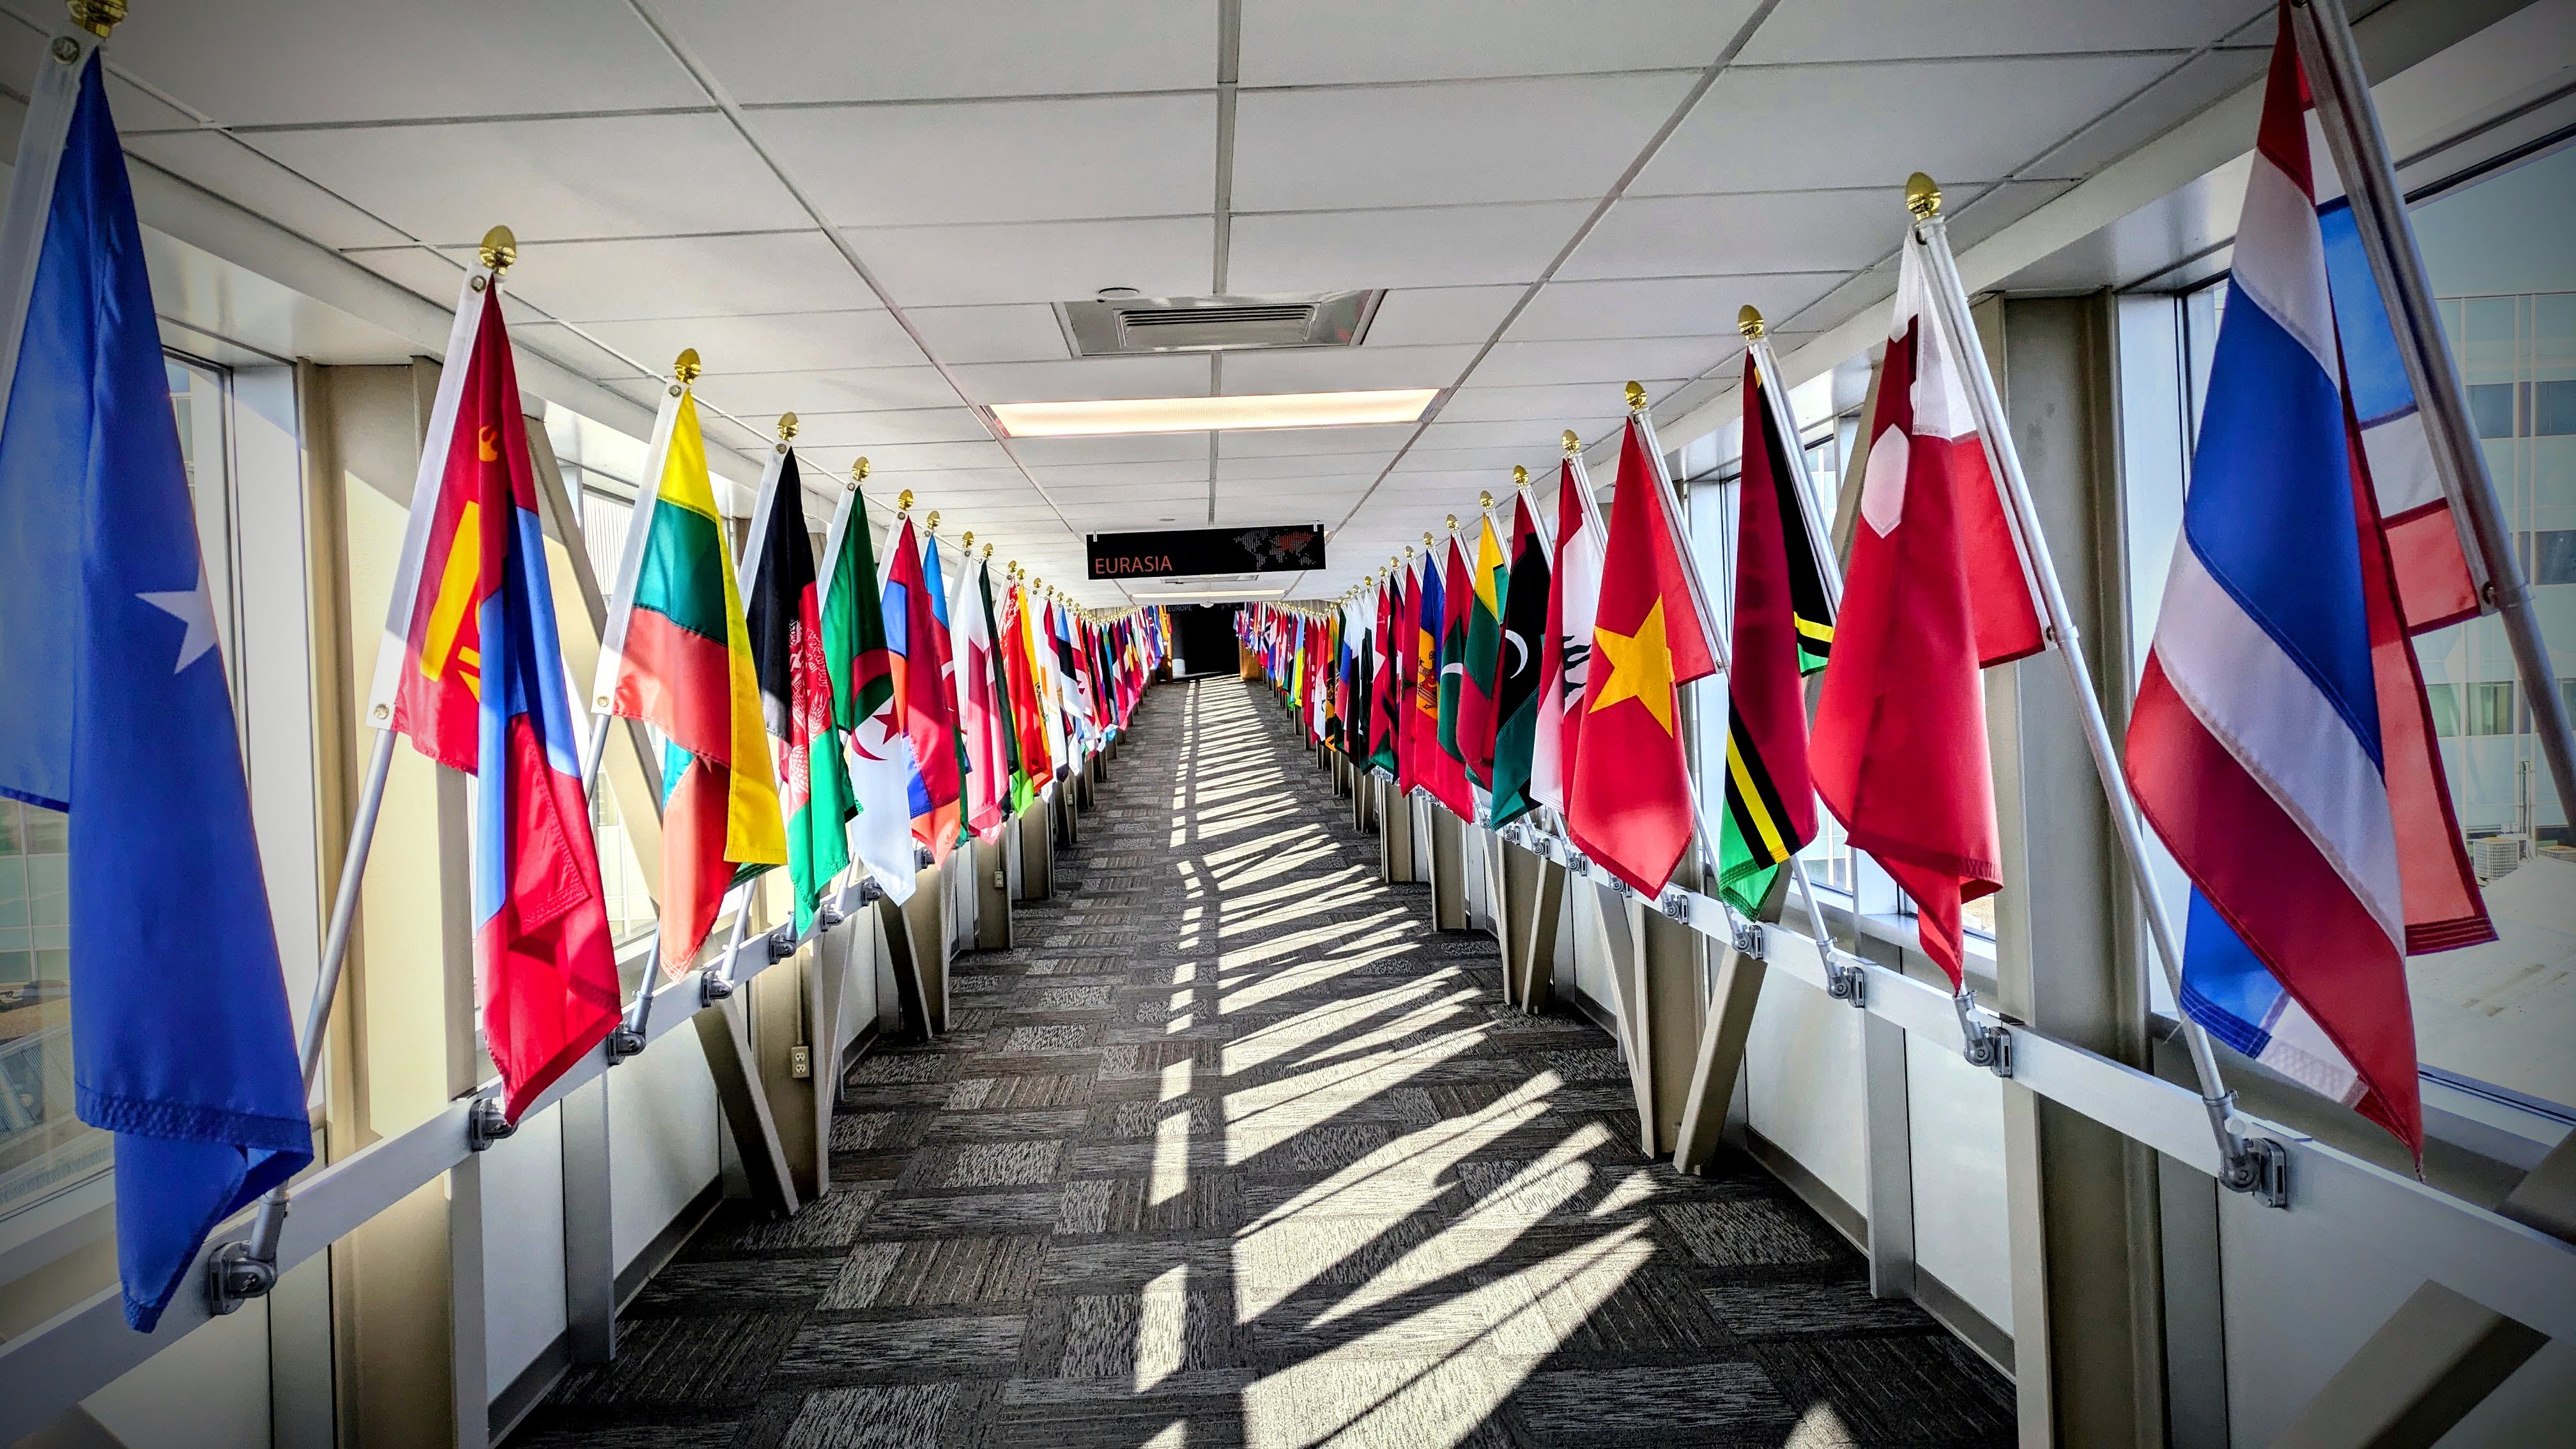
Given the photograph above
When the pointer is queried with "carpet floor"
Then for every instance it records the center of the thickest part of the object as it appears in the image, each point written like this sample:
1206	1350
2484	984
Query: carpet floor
1232	1148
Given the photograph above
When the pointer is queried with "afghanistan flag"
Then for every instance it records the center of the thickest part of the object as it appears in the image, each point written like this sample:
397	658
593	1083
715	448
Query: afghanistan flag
1516	703
786	619
1476	713
1631	809
678	657
1783	629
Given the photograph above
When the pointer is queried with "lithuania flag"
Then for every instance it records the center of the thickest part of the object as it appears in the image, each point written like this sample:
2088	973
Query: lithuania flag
1476	717
1783	628
678	657
1516	697
786	622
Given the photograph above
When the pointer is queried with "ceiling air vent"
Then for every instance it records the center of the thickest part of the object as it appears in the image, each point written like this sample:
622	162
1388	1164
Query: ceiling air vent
1132	326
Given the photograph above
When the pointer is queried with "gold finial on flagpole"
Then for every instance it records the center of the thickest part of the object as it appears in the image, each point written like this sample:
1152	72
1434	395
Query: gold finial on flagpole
1636	397
932	522
901	505
1426	542
1453	523
1485	499
1748	320
1573	445
1520	476
498	251
685	367
968	542
859	475
786	430
98	17
988	553
1922	197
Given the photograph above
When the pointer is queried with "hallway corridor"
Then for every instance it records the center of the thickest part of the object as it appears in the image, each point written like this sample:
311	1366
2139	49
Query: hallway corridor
1230	1148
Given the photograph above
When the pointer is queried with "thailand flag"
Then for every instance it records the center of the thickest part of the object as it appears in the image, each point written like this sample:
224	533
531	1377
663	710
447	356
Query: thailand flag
2281	743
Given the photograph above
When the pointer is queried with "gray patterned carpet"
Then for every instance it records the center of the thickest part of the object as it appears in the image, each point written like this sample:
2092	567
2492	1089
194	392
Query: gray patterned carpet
1232	1149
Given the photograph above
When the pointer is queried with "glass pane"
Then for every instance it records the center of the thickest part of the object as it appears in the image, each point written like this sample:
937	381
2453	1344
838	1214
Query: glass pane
43	1146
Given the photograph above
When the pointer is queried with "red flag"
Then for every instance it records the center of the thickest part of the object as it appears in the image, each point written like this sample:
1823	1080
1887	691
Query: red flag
925	699
1631	806
1935	590
1447	769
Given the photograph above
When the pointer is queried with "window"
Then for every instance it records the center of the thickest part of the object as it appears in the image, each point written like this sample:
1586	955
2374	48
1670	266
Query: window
2487	708
2552	556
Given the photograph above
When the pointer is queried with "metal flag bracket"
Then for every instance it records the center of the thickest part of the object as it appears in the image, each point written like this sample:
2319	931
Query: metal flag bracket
1845	979
2258	1167
1984	1043
485	1124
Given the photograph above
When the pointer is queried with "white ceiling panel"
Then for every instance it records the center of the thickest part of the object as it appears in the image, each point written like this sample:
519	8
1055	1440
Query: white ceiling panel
1333	369
1873	125
929	457
830	50
1087	380
765	342
574	351
933	164
586	176
841	389
1312	42
1402	247
1663	307
1043	453
628	279
1429	316
1824	30
1518	140
1379	438
258	184
1527	364
287	62
900	425
2202	81
1536	433
1496	461
1088	476
1320	467
837	461
930	266
1553	407
1697	236
1025	332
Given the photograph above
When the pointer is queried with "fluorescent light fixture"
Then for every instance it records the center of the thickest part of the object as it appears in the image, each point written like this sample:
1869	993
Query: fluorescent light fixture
1207	414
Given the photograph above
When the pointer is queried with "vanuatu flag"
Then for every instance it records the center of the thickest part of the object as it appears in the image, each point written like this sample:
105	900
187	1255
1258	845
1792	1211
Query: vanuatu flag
1631	809
1783	629
786	620
1488	581
678	657
1516	700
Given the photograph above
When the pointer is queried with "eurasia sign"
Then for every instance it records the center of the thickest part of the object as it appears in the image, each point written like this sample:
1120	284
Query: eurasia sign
1173	552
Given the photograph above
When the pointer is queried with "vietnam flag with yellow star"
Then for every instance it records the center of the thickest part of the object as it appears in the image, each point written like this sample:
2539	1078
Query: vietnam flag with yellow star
1631	809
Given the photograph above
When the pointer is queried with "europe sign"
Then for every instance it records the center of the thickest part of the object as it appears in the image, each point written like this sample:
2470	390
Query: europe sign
1174	552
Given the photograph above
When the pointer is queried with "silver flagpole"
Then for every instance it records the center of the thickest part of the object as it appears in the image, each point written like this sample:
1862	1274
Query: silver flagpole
2351	124
2248	1165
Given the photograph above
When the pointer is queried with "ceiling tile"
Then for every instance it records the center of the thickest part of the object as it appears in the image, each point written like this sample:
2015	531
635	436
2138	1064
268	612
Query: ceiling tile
1554	408
764	342
1664	307
1363	467
1428	316
1402	247
1379	438
841	389
919	457
261	186
2200	83
290	62
1025	332
630	279
1518	140
1042	453
1497	461
930	266
1687	236
1873	125
1336	369
1536	433
1086	380
1819	30
928	165
1311	42
587	176
1116	475
830	50
899	425
575	352
1517	364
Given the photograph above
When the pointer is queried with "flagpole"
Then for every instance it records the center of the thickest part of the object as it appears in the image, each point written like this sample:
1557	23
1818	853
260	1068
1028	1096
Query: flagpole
2350	120
1678	528
2249	1165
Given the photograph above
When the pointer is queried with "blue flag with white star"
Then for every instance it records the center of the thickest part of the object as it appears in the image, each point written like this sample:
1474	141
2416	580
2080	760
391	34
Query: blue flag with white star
116	709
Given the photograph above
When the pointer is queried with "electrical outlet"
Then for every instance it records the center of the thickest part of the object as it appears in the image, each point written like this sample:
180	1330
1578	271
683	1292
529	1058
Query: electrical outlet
800	1062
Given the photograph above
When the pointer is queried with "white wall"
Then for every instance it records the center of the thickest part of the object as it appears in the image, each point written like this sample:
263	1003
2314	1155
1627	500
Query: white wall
1955	1116
523	1246
663	1121
1803	1083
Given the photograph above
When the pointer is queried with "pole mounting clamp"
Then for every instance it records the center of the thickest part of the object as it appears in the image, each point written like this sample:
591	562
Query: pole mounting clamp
626	1041
782	943
1748	940
234	1277
712	987
485	1124
2258	1167
1845	980
1984	1044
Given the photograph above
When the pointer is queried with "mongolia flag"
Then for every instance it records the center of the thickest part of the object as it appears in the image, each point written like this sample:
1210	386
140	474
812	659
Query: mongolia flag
917	636
2281	743
1565	653
1632	808
477	681
678	657
117	712
785	616
1936	590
